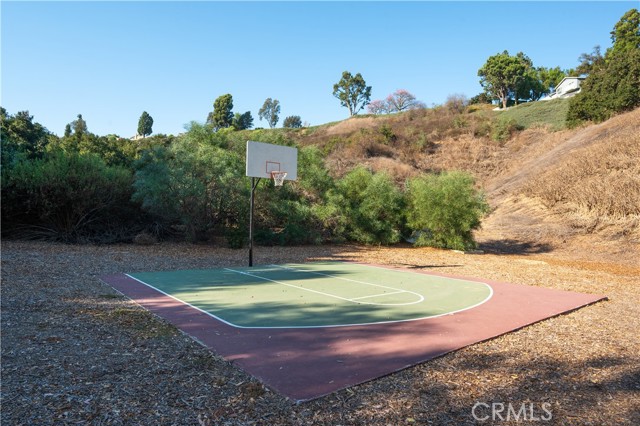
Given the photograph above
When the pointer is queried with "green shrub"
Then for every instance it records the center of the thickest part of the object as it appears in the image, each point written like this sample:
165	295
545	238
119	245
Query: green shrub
195	183
388	136
504	129
289	223
443	210
69	197
364	208
291	214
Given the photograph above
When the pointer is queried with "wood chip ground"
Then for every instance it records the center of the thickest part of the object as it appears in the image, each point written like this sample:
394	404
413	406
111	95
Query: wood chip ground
74	351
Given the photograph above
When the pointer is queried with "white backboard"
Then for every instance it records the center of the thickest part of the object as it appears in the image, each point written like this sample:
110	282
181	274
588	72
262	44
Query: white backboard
264	158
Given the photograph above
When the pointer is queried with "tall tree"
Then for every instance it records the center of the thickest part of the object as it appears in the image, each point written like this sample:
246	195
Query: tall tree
242	121
378	106
145	124
551	77
353	92
292	122
67	130
402	100
500	75
626	33
589	61
270	111
530	87
19	135
222	115
613	84
79	127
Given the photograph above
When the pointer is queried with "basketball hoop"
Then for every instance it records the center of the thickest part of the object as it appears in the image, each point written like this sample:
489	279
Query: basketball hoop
278	178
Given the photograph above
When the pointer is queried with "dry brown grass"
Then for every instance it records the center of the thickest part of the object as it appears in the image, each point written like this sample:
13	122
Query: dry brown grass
576	190
350	126
412	133
479	156
596	184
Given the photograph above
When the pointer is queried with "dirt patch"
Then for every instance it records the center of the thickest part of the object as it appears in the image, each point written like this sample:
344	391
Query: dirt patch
74	351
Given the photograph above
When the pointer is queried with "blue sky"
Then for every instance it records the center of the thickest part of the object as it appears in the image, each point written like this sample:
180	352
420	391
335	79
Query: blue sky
109	61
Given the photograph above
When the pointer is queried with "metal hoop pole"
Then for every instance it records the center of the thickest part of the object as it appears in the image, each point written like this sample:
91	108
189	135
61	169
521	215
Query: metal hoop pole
254	184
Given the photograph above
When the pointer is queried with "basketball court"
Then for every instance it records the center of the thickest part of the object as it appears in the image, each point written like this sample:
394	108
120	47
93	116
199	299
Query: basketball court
306	330
326	294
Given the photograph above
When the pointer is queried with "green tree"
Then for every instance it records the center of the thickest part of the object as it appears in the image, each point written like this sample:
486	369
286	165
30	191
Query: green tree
242	121
353	92
500	75
589	62
609	89
551	77
21	136
626	33
530	86
480	98
270	111
292	122
79	127
222	115
145	124
443	210
613	85
67	130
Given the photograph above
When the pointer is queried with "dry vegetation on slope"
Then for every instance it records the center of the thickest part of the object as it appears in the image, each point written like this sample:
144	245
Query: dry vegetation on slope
576	190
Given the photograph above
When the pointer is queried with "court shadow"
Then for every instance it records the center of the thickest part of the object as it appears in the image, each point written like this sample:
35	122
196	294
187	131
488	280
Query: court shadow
426	267
511	246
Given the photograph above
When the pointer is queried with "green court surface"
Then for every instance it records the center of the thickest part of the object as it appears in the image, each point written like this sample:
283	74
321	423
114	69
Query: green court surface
322	294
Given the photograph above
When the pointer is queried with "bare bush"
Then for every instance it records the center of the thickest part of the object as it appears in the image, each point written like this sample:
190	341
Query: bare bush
456	103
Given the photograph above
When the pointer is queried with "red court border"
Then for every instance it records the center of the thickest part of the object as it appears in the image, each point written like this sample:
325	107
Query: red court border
304	364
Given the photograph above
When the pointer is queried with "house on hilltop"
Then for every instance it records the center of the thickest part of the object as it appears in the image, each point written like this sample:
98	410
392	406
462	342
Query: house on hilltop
568	87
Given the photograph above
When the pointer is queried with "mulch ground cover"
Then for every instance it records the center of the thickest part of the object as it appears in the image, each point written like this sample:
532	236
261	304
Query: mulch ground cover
74	351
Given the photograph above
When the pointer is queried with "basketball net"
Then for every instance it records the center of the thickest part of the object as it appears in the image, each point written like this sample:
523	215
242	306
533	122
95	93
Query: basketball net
278	178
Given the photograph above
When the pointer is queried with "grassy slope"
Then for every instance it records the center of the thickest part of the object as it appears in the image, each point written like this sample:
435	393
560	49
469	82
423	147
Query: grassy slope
547	113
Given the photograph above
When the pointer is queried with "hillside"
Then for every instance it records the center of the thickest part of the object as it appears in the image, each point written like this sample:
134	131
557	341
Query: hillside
573	192
546	113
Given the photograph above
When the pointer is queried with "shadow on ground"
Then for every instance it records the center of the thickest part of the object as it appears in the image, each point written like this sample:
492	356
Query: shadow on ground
510	246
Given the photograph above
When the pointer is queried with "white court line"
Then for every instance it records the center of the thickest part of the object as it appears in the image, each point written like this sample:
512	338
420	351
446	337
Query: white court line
288	285
315	326
380	294
420	297
182	301
399	290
